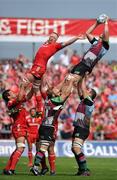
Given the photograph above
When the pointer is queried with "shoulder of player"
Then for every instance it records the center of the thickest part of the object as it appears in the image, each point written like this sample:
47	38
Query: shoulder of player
105	44
88	101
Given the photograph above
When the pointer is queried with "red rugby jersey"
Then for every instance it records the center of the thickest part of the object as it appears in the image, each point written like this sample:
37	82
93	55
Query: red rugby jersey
33	124
45	52
20	116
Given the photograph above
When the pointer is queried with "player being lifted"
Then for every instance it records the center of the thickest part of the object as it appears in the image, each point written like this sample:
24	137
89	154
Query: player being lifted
47	50
98	49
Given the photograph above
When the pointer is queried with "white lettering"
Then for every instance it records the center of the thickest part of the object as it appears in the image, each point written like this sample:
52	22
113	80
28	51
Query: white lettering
99	151
4	27
29	27
6	150
89	149
21	25
38	27
48	27
105	153
62	25
111	149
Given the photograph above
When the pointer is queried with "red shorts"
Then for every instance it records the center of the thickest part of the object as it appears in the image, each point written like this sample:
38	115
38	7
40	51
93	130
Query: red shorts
37	71
32	138
19	132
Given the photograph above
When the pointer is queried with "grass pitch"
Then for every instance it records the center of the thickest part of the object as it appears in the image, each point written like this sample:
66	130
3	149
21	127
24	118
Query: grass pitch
101	169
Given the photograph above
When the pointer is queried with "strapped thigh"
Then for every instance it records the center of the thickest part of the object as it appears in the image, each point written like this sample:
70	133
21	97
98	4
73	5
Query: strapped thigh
44	143
76	144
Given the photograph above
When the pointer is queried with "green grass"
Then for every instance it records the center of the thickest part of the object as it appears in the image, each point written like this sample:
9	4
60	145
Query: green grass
101	169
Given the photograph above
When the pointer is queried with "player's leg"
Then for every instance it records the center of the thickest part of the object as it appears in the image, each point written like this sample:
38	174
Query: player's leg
52	158
34	77
20	145
43	162
45	136
28	78
40	154
74	77
30	156
37	73
44	166
77	144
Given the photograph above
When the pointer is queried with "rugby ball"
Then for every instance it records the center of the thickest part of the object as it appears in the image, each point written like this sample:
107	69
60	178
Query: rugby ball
102	18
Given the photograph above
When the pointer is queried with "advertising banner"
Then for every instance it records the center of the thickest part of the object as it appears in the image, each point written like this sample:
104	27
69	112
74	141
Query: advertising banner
31	28
63	148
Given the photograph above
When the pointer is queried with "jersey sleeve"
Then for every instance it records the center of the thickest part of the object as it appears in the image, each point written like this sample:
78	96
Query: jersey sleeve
88	101
106	45
81	97
58	46
94	41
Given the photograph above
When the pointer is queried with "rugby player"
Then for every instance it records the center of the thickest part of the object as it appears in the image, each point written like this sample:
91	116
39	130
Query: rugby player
19	129
48	128
98	49
33	120
82	125
47	50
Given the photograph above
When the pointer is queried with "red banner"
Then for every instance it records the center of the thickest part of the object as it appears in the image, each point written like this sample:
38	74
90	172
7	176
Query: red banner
43	27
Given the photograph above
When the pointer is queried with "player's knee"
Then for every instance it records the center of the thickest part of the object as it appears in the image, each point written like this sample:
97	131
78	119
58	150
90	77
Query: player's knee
44	146
36	86
51	150
28	79
21	146
43	149
76	147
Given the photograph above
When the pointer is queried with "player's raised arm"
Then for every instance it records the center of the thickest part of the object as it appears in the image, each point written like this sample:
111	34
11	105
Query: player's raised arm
26	93
106	31
90	30
64	44
79	88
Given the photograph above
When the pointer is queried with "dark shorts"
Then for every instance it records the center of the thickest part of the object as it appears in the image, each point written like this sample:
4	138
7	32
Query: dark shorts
80	132
80	69
46	133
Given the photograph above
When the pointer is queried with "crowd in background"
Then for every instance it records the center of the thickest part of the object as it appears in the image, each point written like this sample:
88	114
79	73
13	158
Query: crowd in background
103	79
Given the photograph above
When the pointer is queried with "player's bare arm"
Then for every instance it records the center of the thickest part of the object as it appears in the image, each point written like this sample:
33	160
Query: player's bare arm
79	88
25	92
90	30
106	31
80	37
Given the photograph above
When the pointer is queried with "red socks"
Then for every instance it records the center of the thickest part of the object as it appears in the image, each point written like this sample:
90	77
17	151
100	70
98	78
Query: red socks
13	160
30	157
51	159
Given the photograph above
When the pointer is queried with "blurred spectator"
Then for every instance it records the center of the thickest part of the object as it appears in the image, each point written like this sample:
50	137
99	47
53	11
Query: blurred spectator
75	59
64	58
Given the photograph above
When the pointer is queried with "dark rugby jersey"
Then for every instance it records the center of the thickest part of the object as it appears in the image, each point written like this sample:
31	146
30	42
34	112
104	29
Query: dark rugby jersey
52	111
95	53
84	113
